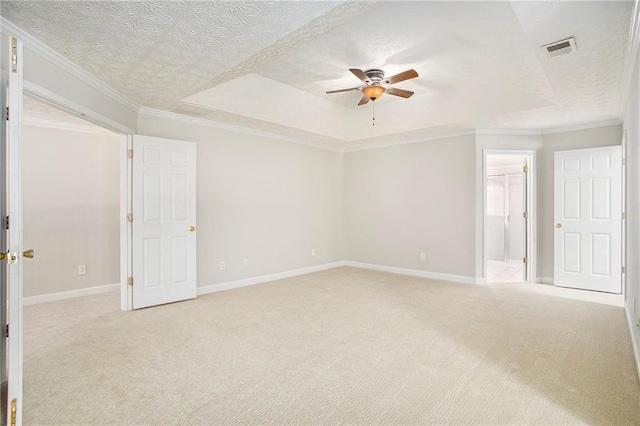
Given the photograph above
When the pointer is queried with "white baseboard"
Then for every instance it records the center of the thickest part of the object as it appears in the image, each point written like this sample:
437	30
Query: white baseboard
634	339
52	297
212	288
544	280
416	273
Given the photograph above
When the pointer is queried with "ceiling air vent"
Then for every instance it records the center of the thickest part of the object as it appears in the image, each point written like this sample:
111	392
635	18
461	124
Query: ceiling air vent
561	47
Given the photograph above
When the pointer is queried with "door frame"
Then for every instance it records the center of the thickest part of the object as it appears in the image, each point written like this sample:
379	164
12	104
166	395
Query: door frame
126	135
126	227
623	253
530	183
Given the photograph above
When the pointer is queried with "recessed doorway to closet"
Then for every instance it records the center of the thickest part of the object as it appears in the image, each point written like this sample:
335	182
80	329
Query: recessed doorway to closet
506	217
71	204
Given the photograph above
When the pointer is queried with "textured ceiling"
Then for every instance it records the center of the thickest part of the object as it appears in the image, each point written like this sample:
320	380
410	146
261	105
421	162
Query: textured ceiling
266	65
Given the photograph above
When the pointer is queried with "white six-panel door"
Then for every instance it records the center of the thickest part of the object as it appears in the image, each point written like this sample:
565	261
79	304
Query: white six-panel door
13	256
588	219
164	220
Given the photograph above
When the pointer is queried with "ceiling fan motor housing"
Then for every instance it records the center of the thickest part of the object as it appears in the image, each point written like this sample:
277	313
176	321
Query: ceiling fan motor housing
375	75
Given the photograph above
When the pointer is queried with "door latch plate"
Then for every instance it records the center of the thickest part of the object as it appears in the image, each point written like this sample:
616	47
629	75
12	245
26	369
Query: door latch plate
10	258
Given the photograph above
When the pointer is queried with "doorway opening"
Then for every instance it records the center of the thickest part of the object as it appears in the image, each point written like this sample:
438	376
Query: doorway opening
507	201
71	219
71	203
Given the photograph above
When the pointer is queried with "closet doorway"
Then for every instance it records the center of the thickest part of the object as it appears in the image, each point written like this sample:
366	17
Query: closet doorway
507	216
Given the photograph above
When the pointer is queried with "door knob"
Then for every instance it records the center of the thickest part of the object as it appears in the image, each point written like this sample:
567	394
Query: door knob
192	228
28	254
558	225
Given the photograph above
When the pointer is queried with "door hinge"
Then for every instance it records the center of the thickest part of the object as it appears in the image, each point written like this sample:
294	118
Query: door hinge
525	215
130	281
14	54
525	260
525	169
624	161
6	331
624	216
14	411
130	153
130	217
624	270
6	114
6	222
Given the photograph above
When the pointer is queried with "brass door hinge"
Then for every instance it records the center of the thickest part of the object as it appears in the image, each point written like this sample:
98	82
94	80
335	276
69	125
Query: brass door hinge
130	153
624	216
525	169
525	215
624	270
525	260
14	54
14	410
130	281
130	217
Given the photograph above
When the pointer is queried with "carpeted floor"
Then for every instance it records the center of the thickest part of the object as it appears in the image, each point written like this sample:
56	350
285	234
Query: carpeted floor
339	346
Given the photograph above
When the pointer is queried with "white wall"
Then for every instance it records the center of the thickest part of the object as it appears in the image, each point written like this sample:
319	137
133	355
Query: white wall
588	138
71	209
632	129
403	200
265	200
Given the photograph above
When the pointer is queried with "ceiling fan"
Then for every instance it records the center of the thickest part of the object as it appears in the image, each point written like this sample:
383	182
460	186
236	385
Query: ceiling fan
376	84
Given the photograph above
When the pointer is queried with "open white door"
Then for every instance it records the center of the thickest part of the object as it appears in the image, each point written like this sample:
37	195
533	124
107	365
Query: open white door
588	217
11	224
164	220
4	248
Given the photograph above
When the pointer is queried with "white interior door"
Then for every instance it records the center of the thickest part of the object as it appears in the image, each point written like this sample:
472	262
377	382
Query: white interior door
11	224
164	220
4	248
588	218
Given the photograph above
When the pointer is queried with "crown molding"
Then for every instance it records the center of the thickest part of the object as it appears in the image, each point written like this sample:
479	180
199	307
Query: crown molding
229	127
32	43
633	45
583	126
411	141
511	132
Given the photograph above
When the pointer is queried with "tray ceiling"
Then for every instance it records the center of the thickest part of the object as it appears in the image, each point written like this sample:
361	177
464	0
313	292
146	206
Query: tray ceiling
267	65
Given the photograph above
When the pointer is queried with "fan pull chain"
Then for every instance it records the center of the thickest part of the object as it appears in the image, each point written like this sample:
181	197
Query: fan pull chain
373	105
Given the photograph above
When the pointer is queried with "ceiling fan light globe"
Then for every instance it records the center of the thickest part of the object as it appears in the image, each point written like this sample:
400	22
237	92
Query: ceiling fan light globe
373	92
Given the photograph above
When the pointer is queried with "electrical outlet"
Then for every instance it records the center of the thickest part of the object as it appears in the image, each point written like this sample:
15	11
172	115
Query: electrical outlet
423	255
313	252
222	265
245	261
82	269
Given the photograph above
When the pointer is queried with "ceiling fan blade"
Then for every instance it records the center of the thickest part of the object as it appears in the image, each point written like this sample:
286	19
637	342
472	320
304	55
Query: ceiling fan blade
363	101
399	92
360	74
406	75
343	90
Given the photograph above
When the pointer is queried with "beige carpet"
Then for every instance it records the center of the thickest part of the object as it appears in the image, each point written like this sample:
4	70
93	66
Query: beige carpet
338	346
